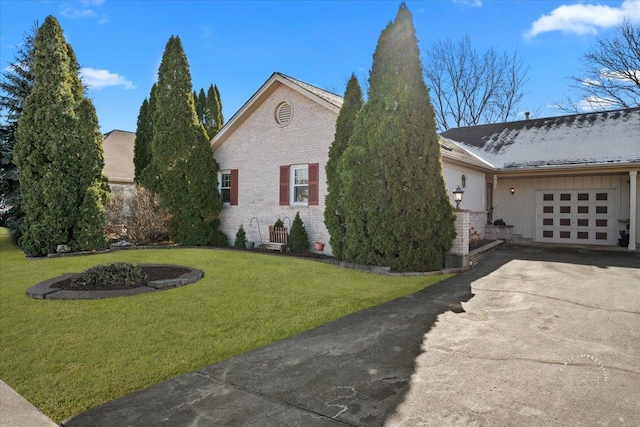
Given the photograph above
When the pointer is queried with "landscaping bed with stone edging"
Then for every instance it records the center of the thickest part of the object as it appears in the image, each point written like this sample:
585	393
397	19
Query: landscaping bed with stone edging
48	289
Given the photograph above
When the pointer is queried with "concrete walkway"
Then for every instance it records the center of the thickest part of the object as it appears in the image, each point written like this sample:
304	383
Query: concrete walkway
530	336
16	411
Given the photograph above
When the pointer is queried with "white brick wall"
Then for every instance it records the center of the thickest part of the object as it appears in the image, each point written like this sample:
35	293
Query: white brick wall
259	147
461	242
478	221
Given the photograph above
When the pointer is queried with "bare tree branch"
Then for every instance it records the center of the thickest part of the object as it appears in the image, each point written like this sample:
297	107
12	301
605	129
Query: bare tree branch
468	89
611	73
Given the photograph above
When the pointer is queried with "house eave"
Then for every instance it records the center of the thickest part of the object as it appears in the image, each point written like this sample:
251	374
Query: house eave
467	165
617	168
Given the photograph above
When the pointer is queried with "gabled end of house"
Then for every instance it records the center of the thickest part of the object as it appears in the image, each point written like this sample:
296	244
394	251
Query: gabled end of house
118	147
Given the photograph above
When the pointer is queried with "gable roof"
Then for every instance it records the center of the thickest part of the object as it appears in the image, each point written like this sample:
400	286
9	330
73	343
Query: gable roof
592	139
327	99
118	156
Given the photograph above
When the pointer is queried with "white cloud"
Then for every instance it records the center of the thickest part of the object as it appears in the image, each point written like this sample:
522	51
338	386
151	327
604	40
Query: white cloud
85	9
98	79
617	75
75	13
590	82
593	103
584	18
472	3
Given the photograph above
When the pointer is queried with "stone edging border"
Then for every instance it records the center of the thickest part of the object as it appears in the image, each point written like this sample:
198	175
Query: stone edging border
45	290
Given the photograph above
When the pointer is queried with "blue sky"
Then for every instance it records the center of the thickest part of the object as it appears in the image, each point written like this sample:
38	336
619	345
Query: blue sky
238	45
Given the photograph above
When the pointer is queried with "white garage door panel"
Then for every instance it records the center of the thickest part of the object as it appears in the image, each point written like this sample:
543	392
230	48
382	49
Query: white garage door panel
576	216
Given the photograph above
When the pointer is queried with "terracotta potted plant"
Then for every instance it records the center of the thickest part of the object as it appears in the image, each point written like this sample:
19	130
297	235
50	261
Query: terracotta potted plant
320	246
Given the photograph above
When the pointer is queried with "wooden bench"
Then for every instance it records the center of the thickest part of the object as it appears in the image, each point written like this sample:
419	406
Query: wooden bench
278	239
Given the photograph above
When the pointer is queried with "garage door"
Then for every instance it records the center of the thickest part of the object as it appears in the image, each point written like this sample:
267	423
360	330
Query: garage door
576	216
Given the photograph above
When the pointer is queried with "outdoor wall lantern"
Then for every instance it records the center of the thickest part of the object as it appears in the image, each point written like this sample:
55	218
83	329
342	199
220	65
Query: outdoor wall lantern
457	196
513	190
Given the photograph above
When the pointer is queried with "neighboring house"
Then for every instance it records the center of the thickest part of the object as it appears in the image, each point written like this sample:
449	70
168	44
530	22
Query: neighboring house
570	179
272	156
118	160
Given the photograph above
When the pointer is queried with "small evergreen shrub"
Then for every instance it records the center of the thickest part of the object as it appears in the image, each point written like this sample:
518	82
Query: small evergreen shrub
115	275
241	238
298	240
499	221
278	224
219	239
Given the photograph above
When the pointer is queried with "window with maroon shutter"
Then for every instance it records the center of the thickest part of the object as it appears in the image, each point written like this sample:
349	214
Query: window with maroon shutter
314	172
233	197
224	186
284	185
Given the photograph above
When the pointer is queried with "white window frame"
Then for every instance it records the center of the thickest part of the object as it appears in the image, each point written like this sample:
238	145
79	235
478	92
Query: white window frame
220	187
292	184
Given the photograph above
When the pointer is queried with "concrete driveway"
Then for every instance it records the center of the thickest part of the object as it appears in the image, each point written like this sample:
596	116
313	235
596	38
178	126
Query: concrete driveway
550	337
530	336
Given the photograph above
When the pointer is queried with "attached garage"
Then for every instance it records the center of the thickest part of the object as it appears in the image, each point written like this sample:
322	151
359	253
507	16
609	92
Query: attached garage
577	216
569	179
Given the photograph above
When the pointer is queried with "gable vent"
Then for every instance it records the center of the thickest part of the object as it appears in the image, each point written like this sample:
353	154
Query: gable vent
284	113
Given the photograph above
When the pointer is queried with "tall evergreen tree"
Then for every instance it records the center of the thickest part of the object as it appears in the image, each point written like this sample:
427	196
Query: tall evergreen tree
208	110
15	86
334	213
144	135
214	111
59	153
140	146
182	167
201	106
397	212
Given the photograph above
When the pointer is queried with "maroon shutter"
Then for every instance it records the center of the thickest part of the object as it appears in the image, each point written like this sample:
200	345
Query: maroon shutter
284	185
314	171
234	187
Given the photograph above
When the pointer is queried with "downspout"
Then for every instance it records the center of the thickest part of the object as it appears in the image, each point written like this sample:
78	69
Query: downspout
633	209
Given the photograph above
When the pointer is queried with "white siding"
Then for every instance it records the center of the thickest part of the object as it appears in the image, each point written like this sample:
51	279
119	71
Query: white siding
474	192
519	209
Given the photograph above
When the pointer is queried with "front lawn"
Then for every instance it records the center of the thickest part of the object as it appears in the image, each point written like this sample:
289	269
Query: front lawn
68	356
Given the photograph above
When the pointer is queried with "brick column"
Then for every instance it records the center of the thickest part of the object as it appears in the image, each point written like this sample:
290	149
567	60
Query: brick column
458	255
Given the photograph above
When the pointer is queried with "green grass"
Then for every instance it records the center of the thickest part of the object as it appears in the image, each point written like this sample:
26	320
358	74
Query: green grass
68	356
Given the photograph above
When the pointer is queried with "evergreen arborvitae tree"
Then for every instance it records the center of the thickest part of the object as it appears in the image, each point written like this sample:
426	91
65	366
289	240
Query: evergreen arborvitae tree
141	146
241	238
59	153
397	212
207	114
201	105
333	213
214	119
144	135
219	117
15	86
298	240
182	171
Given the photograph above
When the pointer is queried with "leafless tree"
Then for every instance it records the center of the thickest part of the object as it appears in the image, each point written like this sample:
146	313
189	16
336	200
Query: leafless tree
611	73
469	88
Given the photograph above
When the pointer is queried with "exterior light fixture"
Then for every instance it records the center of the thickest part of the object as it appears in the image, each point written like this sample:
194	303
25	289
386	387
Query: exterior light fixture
457	196
513	190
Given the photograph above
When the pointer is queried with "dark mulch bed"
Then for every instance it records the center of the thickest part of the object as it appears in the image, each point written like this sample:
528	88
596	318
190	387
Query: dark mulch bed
152	272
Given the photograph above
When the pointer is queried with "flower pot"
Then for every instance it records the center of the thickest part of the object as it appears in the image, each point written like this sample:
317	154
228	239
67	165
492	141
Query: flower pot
319	246
249	245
